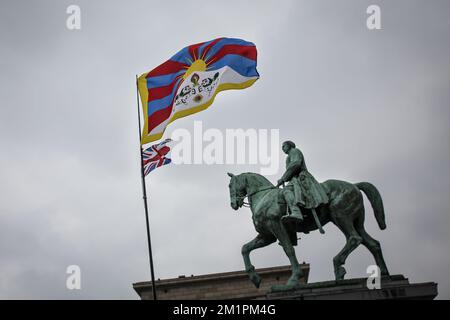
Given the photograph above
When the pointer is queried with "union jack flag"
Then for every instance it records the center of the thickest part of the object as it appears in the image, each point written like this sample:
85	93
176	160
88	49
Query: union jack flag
155	156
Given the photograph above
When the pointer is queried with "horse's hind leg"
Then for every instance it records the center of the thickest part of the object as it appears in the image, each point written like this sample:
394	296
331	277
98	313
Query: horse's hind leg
281	234
259	242
353	241
373	246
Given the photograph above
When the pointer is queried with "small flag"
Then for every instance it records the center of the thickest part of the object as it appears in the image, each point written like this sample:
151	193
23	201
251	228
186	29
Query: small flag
155	156
189	81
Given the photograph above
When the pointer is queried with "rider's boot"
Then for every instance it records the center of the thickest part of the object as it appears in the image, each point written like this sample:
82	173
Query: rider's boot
296	214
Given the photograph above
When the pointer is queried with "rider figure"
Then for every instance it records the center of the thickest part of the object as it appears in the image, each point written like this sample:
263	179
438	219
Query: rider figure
302	189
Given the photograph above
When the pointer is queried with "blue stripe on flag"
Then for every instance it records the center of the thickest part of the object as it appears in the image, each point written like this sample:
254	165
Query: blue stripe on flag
162	103
182	56
244	66
215	48
161	81
202	47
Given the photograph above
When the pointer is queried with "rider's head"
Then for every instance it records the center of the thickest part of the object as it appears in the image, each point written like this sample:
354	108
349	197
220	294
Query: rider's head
287	145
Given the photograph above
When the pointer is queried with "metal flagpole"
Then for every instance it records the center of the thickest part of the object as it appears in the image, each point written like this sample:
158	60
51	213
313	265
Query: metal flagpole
144	192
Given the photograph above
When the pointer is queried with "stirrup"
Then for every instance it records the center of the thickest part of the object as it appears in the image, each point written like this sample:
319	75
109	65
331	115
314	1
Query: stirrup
296	218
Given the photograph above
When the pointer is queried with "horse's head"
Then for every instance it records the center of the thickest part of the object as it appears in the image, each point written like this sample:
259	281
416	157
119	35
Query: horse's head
237	191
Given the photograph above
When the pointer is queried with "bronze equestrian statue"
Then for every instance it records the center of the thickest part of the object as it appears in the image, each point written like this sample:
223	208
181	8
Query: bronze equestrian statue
311	205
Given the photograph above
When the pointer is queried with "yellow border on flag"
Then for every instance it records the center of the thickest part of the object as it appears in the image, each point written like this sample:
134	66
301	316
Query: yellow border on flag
143	92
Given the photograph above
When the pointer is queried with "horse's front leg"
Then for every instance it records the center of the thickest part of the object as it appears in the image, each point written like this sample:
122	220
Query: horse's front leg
280	232
259	242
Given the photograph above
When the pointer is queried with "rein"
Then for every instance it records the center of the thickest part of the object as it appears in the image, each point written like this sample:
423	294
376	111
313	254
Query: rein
246	204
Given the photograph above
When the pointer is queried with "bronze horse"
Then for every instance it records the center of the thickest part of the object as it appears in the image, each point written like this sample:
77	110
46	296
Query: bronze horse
345	209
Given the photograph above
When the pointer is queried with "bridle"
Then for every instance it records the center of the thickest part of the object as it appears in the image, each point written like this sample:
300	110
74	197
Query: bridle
246	204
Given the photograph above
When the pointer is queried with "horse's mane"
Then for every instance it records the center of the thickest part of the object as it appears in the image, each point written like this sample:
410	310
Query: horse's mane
261	179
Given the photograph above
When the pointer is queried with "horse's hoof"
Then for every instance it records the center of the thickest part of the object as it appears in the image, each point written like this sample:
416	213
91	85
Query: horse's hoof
285	287
292	284
255	279
340	273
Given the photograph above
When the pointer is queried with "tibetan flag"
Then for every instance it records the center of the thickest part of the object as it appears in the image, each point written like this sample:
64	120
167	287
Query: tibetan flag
155	156
189	81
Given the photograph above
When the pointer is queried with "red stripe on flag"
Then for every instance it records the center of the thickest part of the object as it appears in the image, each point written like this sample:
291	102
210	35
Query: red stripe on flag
167	67
205	51
193	51
164	150
161	92
245	51
157	117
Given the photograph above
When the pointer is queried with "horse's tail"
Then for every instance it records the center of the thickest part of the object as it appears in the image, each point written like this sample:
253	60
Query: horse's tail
375	200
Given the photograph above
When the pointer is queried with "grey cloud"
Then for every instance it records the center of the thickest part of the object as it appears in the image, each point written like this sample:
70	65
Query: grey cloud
363	106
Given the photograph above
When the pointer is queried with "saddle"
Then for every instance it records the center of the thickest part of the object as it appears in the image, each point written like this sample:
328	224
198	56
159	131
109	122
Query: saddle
292	229
282	203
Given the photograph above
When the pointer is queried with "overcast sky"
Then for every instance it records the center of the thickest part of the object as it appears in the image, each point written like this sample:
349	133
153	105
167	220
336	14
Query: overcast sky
362	105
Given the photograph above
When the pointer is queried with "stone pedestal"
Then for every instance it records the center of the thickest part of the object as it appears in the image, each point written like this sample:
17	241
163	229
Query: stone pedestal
395	287
221	286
